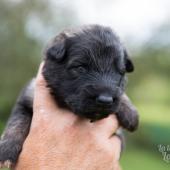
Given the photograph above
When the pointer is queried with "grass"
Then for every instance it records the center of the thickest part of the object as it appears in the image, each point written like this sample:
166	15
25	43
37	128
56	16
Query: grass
154	121
139	159
154	113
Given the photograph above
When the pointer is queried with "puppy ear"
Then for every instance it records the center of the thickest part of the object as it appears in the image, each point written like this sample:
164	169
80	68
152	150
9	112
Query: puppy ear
56	50
128	63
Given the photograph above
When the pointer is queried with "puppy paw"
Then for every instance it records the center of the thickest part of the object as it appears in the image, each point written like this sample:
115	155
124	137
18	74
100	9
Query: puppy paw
9	152
128	120
128	115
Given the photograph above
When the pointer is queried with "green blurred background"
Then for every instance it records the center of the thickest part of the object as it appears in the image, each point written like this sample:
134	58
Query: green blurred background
27	25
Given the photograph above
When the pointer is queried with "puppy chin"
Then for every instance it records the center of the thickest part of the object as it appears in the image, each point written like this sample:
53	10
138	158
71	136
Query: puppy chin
96	114
88	109
93	113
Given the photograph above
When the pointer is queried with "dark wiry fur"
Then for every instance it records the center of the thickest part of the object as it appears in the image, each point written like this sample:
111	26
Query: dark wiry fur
81	66
102	60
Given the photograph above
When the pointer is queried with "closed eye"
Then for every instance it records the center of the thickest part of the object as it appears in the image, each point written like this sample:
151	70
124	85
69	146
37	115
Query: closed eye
79	69
76	71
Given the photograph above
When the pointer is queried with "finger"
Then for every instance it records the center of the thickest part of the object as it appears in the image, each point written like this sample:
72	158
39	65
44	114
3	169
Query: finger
107	126
120	135
116	145
116	166
43	100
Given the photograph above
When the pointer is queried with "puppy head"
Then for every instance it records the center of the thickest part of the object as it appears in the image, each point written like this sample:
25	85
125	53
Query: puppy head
85	70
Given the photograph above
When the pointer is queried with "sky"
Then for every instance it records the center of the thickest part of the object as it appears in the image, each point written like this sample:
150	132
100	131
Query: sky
130	18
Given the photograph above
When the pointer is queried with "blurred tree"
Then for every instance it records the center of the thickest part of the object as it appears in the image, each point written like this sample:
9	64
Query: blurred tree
149	88
152	63
24	29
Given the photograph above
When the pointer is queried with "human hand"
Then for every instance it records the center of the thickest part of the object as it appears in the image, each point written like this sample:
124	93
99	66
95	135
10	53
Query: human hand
58	139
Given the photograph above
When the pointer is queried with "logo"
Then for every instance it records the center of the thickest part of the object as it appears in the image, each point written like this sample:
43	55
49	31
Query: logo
165	151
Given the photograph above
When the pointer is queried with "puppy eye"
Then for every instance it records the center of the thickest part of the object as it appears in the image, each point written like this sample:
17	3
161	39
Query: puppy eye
81	69
75	71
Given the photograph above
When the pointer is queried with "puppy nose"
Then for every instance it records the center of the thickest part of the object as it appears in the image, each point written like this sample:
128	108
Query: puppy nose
104	99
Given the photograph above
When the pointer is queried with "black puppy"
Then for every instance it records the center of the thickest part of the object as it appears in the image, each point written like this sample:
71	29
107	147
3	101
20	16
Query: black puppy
85	71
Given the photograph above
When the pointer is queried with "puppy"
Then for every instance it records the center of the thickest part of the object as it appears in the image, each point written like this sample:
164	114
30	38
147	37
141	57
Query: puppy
85	72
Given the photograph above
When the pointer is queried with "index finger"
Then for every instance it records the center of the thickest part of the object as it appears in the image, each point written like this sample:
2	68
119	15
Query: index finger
107	126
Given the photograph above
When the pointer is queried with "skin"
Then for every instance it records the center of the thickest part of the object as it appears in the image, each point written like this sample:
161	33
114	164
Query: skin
58	139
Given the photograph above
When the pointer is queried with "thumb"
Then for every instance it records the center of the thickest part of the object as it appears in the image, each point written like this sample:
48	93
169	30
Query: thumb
43	100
